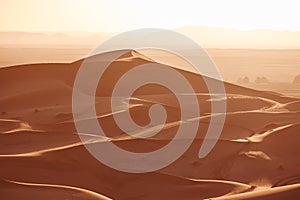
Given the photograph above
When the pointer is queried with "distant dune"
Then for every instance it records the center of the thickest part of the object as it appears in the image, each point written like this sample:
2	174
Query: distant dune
42	157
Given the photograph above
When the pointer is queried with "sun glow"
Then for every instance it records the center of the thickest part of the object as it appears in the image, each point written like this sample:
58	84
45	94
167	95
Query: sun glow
117	15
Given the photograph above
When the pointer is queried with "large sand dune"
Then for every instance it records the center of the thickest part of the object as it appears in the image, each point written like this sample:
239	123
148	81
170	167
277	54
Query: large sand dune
42	156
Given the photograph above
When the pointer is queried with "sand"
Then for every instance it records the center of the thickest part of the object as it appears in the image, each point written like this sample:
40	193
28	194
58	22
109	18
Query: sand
42	156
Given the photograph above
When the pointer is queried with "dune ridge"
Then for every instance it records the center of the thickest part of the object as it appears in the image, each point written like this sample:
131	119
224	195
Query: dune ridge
42	154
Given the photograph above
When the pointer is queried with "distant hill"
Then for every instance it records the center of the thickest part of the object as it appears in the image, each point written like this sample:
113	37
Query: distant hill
35	39
209	37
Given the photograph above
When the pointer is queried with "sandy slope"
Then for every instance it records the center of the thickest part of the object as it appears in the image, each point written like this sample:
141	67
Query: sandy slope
42	156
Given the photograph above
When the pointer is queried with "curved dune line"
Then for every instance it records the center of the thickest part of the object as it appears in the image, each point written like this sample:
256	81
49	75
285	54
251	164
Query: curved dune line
21	130
260	193
221	181
119	111
207	180
146	131
94	139
40	152
260	137
89	192
10	120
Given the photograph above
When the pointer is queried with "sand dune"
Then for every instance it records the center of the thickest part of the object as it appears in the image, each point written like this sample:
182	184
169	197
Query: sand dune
35	190
284	192
42	156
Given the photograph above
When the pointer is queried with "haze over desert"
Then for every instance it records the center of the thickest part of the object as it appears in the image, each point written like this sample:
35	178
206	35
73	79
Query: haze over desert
234	135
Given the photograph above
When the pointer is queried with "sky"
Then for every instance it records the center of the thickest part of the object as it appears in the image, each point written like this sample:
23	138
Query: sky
121	15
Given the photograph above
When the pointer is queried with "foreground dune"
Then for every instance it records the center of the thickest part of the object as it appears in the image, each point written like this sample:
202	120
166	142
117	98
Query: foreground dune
42	156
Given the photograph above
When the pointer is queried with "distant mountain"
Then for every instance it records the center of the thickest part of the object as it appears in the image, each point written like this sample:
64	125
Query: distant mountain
208	37
32	39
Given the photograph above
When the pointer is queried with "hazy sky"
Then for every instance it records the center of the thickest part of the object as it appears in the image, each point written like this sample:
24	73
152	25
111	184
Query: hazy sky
121	15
